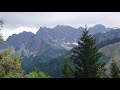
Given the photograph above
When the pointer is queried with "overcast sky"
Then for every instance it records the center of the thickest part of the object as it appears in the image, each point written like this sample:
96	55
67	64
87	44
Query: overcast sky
16	22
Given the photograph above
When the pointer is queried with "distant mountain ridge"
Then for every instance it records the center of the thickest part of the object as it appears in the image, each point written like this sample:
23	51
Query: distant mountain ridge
59	38
48	44
103	39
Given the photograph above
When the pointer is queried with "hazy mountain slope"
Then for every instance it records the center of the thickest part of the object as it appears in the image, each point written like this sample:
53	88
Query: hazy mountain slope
112	51
107	38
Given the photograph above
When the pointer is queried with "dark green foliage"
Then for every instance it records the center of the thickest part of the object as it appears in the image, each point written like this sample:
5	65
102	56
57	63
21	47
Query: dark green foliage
52	68
86	57
43	60
114	70
67	70
101	72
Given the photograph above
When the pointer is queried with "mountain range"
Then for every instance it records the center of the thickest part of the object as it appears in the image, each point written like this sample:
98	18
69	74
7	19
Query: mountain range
60	37
49	44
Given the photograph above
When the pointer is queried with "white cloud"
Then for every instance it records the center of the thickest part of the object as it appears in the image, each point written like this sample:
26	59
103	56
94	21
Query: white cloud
16	22
7	32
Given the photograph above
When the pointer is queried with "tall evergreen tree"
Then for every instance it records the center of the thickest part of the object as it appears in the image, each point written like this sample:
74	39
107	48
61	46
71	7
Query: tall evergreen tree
86	56
114	70
67	70
101	73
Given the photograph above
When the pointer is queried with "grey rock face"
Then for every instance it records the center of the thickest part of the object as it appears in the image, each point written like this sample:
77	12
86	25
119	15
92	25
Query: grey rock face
52	41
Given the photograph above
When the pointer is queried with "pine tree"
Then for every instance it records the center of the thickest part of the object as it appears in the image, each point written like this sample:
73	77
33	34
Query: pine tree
114	70
67	70
86	56
101	72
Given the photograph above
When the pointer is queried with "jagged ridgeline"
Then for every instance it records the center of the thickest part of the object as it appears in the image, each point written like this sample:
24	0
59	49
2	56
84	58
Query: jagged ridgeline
47	48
